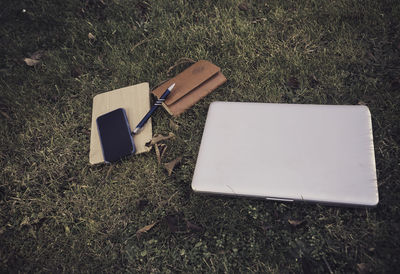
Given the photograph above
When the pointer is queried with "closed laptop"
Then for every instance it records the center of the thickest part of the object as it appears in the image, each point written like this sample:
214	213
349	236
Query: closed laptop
288	152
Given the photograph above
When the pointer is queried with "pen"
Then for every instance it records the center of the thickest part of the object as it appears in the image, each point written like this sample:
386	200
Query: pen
153	108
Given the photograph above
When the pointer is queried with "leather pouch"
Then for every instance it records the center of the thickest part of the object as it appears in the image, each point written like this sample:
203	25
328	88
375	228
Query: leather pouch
191	85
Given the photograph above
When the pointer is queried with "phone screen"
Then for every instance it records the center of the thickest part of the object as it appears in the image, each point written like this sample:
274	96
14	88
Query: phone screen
115	135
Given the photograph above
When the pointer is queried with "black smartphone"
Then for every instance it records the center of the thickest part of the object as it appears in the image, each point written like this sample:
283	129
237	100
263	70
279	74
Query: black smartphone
115	135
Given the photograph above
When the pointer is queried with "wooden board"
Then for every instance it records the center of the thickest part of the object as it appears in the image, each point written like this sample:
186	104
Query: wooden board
136	102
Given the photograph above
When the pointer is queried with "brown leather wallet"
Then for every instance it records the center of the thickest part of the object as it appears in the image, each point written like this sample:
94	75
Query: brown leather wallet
191	85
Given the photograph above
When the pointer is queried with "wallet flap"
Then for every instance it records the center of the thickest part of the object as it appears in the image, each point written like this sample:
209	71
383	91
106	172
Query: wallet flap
196	94
187	80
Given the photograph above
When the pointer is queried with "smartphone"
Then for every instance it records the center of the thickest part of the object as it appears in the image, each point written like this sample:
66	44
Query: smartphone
115	135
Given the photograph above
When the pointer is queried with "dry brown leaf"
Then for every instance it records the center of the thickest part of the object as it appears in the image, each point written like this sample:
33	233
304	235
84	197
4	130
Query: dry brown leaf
31	62
171	165
145	229
159	137
193	227
4	114
91	36
363	268
243	6
295	222
34	59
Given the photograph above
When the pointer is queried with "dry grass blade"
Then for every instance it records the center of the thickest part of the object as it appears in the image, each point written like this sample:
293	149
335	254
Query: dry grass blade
171	165
109	172
67	230
138	44
173	125
259	20
327	265
24	222
160	151
157	150
163	149
91	36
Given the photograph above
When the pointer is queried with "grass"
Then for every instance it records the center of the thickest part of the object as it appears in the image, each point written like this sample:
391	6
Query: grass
58	213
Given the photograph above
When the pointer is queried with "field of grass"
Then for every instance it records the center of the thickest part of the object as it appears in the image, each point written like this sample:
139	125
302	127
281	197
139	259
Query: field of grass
59	214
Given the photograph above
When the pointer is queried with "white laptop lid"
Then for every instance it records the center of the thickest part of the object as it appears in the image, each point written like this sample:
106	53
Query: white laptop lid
289	152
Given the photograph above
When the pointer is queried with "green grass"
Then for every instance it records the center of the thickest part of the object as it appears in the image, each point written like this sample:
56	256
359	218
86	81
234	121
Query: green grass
58	213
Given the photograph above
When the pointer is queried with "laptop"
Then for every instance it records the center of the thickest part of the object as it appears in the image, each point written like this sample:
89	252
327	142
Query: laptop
288	152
